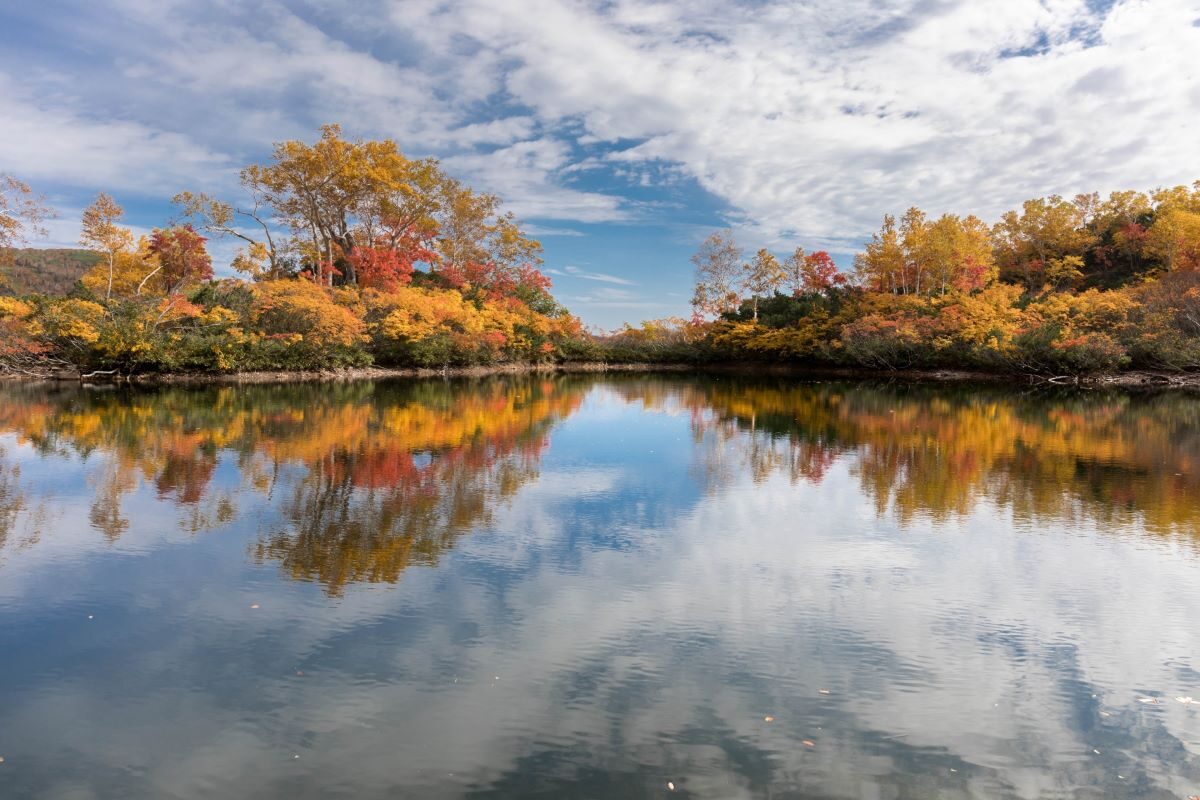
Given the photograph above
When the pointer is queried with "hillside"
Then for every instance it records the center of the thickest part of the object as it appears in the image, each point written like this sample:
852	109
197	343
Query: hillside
50	271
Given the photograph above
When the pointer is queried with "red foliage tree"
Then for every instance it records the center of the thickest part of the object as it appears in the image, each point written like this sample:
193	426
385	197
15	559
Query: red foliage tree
820	273
182	257
973	276
386	267
496	281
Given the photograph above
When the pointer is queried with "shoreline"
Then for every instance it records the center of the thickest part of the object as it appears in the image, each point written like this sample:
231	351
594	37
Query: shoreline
341	375
1133	379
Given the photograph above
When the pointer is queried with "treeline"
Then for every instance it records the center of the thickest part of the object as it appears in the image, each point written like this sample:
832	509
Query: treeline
1060	286
352	254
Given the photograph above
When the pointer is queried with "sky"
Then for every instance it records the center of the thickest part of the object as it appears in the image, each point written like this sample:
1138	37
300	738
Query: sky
621	131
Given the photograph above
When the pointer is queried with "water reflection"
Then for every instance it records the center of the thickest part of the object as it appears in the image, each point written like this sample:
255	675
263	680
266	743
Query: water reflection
367	479
568	587
938	451
378	463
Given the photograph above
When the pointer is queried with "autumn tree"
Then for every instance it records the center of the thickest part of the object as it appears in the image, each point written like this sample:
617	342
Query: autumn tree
793	268
331	196
811	272
925	257
959	254
262	256
182	259
1120	224
327	192
818	273
124	275
718	264
762	276
1046	229
22	213
345	204
387	266
482	247
102	233
1183	198
1174	239
881	265
466	224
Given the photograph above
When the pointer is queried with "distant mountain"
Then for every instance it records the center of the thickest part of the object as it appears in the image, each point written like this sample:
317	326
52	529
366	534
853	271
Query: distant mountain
51	271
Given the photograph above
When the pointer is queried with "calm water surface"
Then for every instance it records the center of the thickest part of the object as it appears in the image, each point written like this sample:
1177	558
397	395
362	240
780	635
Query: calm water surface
599	588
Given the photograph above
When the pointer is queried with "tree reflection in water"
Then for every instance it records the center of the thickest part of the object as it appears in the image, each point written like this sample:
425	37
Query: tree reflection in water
930	591
368	479
936	451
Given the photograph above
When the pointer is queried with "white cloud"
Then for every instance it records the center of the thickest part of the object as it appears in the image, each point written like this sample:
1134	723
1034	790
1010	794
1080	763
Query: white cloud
52	143
552	230
810	121
525	174
817	119
602	277
612	298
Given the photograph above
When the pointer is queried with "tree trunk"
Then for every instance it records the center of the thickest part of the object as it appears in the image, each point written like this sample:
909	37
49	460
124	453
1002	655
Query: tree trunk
148	277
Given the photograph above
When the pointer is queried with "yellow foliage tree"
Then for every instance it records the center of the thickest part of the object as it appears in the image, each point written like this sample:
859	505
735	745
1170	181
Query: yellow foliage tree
1174	239
124	271
102	233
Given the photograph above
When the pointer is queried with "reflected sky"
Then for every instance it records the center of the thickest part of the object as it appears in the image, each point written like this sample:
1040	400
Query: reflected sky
596	587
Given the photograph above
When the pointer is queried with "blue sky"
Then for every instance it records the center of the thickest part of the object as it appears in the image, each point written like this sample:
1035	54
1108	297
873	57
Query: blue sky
621	131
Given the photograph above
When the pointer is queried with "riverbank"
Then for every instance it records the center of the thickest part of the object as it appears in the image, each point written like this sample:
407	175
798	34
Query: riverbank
343	375
1128	379
1133	379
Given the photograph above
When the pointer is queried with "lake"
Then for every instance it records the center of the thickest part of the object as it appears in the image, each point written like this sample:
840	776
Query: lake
599	587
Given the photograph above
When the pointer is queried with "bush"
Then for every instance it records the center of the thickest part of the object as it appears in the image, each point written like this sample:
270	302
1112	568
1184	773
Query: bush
1046	349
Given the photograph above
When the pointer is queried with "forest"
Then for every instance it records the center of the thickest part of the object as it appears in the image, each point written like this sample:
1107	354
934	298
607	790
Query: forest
351	254
1085	285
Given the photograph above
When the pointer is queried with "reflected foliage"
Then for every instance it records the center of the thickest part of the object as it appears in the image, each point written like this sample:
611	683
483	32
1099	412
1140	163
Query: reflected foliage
362	479
356	482
935	451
